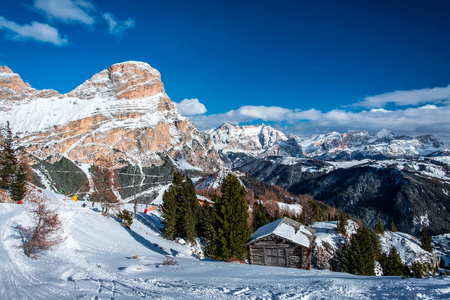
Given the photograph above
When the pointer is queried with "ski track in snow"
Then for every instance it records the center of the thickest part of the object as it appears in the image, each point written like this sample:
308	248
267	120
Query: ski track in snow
94	263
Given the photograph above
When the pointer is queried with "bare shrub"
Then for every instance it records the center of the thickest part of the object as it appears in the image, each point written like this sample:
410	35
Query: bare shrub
105	182
169	261
46	229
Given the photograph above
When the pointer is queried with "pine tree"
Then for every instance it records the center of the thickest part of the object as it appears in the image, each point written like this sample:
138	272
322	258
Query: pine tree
340	261
260	216
360	254
379	227
317	212
425	240
393	228
127	218
231	230
394	265
12	172
169	210
181	210
188	210
365	242
342	223
205	222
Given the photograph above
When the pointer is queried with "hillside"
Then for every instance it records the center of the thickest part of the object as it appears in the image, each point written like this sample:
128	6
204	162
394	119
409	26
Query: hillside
94	262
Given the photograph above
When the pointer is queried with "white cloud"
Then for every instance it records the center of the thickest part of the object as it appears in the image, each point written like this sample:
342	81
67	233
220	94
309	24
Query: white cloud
36	31
413	97
117	27
428	119
190	107
68	11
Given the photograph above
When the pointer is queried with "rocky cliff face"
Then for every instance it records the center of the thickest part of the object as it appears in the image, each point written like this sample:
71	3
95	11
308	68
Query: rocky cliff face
122	113
12	87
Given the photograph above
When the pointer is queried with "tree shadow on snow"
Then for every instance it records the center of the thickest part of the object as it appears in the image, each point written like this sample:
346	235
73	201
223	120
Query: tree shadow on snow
144	242
151	221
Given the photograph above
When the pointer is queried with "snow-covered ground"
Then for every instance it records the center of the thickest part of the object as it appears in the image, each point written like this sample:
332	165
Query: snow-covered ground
94	262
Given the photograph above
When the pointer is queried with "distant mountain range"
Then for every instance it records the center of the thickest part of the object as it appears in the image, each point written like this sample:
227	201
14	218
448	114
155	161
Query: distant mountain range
263	141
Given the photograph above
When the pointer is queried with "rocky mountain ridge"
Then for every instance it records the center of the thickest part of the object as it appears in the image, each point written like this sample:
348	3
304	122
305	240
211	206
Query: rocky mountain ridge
263	141
122	112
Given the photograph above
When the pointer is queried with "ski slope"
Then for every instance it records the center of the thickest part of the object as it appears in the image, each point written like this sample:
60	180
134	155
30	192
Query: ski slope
94	262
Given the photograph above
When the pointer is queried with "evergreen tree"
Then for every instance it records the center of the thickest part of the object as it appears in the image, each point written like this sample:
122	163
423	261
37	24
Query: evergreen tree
181	210
379	227
231	230
340	261
425	240
127	218
365	242
189	210
205	222
393	228
12	173
354	257
394	265
169	212
342	223
360	253
317	212
260	216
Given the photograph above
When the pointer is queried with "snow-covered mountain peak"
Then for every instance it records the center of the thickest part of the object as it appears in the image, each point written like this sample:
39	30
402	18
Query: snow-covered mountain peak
12	87
384	133
254	139
122	112
127	80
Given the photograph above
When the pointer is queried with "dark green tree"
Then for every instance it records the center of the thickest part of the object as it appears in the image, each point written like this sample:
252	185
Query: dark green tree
127	218
231	229
317	212
425	240
12	173
204	226
189	211
342	223
379	227
366	244
260	216
360	254
169	212
393	265
340	261
393	228
181	210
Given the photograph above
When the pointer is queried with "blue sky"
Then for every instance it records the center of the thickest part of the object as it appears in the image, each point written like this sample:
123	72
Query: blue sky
302	66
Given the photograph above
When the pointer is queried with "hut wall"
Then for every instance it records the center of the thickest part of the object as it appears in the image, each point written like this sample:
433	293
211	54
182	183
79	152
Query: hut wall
275	251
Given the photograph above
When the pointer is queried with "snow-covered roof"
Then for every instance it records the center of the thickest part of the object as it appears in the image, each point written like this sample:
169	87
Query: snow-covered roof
287	229
203	198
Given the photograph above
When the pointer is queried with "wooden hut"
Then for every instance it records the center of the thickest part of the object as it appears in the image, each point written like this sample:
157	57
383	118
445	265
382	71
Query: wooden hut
282	243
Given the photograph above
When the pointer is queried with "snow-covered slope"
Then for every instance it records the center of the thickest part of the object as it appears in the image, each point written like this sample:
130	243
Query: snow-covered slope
95	262
407	246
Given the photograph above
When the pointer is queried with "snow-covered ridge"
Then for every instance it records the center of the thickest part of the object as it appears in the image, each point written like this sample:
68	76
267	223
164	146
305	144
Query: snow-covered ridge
265	140
124	88
252	139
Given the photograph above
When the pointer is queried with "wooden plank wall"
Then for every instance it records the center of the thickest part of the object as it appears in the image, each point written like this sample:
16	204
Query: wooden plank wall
296	255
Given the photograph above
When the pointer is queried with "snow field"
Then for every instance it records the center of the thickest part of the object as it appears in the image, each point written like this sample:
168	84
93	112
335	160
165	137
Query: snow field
94	262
